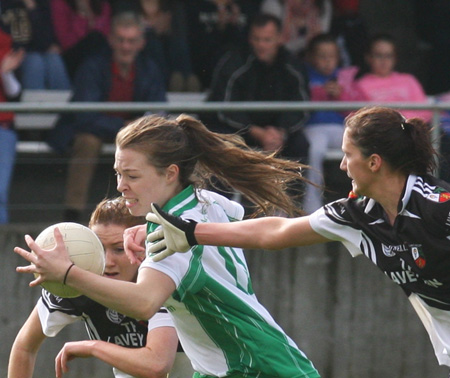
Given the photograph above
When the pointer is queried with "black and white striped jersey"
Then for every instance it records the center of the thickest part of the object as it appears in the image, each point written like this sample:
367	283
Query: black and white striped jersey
101	322
414	252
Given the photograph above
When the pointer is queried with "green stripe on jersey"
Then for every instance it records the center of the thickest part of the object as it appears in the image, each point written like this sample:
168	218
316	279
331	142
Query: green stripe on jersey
250	344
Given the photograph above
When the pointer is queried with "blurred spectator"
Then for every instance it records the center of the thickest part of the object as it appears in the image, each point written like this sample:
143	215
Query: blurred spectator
10	89
119	75
432	23
81	27
167	44
30	25
350	30
216	26
324	129
301	20
379	82
266	73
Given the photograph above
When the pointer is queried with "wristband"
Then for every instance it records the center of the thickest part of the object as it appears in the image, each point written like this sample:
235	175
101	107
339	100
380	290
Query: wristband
67	273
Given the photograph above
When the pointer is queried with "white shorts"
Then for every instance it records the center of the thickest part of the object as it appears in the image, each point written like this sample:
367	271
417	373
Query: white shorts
437	324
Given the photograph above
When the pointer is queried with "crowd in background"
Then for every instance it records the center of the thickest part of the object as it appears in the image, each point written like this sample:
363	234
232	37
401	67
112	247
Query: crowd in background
223	47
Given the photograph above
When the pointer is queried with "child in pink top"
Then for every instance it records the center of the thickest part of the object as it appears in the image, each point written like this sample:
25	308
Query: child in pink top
383	84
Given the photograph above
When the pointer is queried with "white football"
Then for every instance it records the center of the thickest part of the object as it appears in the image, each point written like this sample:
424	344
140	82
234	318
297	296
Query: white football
85	250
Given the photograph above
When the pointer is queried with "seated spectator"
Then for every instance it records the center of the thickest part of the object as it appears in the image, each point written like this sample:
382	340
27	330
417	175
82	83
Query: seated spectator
119	75
265	73
301	20
215	27
10	89
30	25
379	82
166	43
324	128
81	29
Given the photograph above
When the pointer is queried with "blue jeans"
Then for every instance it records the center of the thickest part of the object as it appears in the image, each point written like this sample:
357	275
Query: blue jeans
44	71
8	139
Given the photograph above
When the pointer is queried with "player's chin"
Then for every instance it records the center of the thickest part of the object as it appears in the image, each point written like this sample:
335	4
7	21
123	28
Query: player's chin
137	211
134	208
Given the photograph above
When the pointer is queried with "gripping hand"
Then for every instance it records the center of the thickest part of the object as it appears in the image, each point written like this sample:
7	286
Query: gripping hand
175	235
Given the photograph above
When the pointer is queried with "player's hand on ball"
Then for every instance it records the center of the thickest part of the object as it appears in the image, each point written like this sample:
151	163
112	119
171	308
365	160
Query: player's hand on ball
175	235
49	265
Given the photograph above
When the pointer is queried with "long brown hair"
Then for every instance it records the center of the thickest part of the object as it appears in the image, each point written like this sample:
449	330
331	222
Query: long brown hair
406	145
204	156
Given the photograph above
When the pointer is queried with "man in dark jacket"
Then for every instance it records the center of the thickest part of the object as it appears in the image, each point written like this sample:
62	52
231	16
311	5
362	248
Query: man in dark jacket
119	75
267	73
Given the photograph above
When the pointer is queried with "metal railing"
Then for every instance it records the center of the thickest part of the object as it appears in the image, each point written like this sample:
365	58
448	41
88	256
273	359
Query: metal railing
432	105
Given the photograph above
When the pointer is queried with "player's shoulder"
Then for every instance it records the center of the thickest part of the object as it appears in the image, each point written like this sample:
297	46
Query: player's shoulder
73	306
431	191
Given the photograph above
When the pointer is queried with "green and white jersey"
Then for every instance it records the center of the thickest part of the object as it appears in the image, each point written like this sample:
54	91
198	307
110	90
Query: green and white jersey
222	327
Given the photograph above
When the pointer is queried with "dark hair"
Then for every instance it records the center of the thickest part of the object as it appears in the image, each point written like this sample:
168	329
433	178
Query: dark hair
318	39
262	19
379	37
405	145
203	156
128	19
114	211
96	6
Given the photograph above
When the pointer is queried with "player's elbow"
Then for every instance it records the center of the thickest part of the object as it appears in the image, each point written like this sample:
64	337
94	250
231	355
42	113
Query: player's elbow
158	369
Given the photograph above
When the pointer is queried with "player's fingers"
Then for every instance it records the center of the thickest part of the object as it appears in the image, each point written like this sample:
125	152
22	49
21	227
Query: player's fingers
30	269
58	364
30	257
155	235
156	247
152	217
26	269
162	255
58	237
133	251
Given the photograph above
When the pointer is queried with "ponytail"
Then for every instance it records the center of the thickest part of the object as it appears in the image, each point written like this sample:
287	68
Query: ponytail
205	157
261	177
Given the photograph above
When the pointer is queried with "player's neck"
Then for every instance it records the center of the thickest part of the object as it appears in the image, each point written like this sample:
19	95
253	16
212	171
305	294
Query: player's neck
389	196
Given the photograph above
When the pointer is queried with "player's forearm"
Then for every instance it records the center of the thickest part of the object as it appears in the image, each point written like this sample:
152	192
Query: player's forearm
137	362
21	363
272	233
25	348
124	297
252	233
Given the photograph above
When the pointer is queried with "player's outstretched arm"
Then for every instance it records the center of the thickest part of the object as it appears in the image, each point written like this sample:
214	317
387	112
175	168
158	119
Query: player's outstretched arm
26	347
178	235
152	361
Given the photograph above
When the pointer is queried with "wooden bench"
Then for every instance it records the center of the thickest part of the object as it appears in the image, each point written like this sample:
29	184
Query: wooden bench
40	122
45	121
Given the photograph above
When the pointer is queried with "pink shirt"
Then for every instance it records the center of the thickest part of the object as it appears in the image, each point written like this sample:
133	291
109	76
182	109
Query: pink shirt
71	27
397	87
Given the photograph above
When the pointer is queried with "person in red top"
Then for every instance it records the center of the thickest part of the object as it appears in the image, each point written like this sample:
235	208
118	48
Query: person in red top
10	88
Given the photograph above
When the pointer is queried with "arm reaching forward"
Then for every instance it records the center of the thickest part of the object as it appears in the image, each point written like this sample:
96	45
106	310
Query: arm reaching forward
178	235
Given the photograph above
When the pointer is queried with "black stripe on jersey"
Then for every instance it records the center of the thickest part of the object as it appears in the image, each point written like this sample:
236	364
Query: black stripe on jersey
54	303
337	218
